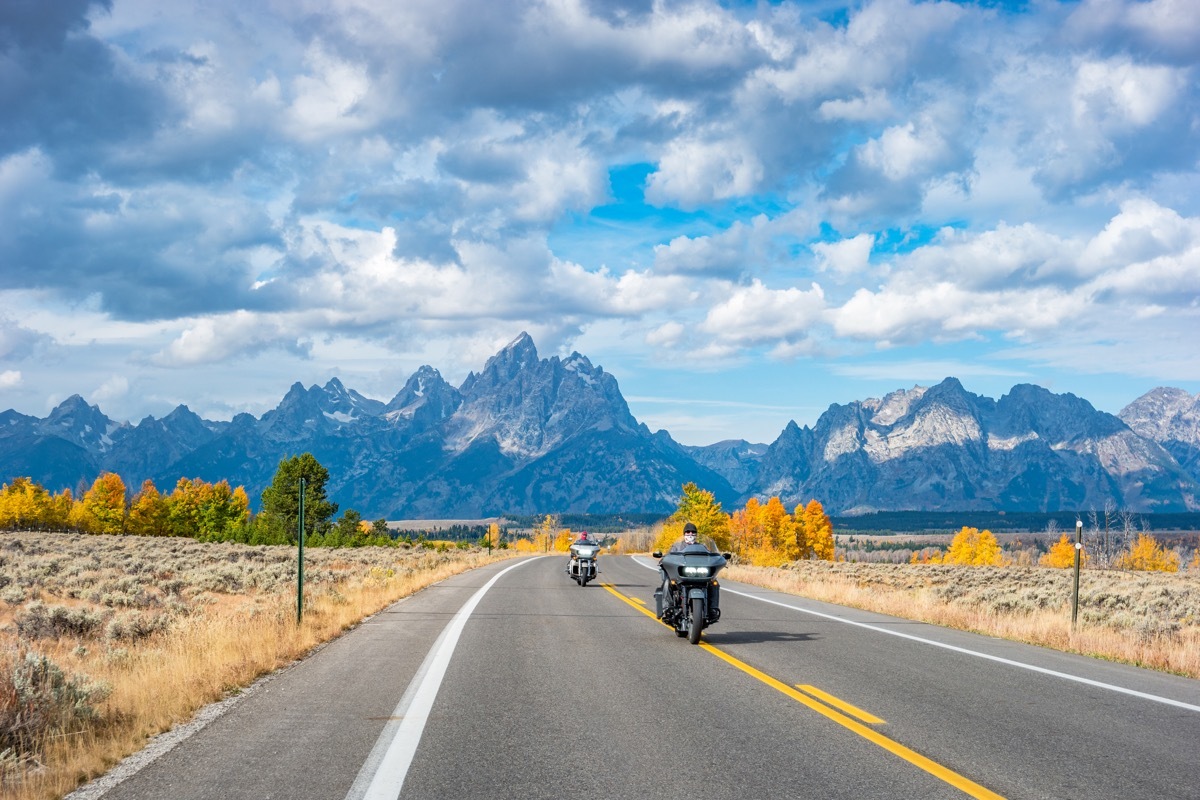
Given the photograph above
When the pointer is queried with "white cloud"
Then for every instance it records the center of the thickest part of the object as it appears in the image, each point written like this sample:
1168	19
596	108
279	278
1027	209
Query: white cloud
872	105
1142	231
695	172
756	314
1118	94
846	257
331	98
903	151
724	254
115	388
668	335
10	379
230	336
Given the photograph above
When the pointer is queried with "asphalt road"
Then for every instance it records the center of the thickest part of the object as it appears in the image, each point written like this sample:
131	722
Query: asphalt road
513	682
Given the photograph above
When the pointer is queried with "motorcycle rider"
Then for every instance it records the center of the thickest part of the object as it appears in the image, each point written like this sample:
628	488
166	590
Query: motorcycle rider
690	536
583	539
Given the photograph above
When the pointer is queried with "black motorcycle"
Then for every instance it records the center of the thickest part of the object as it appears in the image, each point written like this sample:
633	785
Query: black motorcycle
689	598
582	566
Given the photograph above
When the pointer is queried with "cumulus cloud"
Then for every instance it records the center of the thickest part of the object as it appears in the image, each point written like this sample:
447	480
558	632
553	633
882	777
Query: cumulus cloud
847	257
727	254
755	314
10	378
240	334
311	179
693	172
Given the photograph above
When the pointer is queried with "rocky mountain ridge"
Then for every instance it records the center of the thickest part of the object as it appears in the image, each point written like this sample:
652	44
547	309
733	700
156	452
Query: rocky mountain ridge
528	435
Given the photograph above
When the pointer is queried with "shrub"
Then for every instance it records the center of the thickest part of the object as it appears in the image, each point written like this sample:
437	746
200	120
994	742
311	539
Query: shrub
39	621
37	698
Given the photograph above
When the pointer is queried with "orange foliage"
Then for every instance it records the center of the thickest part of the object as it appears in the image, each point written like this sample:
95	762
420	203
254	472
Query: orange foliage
1062	555
1147	554
766	535
975	548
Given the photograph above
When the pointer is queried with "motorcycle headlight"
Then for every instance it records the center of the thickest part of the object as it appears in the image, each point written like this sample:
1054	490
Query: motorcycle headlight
696	572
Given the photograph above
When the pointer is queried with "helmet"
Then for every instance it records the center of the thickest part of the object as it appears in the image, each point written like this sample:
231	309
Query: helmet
583	536
689	528
689	533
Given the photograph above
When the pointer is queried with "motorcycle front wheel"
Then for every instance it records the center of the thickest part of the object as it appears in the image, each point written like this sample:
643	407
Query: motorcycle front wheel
696	623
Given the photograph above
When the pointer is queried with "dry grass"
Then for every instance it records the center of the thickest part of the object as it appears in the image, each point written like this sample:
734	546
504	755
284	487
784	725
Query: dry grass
1150	619
157	628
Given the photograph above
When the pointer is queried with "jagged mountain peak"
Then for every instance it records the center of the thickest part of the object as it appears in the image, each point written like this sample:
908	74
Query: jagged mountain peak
1161	412
894	405
530	405
426	399
76	421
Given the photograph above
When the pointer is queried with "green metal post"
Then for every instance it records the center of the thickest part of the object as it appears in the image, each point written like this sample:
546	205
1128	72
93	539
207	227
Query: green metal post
1078	559
300	571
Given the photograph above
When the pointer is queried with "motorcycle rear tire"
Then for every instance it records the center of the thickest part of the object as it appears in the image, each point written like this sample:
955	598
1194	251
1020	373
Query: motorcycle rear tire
696	624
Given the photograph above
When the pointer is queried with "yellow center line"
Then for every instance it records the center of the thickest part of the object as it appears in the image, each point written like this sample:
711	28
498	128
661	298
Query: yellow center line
837	702
965	785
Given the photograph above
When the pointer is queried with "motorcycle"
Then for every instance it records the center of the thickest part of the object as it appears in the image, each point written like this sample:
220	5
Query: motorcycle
582	567
689	599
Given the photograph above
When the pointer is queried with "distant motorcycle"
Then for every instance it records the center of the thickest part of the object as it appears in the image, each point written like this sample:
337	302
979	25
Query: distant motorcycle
689	598
582	567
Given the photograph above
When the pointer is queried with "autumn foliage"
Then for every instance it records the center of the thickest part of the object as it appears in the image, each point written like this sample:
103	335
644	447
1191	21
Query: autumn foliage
971	547
1147	554
1062	554
762	534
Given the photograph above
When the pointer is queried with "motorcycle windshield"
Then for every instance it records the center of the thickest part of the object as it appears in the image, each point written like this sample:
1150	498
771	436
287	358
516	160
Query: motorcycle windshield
702	545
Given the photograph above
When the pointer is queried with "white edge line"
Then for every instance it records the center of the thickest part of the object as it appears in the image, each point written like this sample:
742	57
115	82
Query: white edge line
1020	664
382	774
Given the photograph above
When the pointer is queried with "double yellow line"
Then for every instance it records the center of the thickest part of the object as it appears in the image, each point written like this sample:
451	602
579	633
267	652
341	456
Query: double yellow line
827	710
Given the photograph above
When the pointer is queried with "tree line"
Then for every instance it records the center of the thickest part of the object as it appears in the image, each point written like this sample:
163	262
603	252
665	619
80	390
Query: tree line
762	534
974	547
214	512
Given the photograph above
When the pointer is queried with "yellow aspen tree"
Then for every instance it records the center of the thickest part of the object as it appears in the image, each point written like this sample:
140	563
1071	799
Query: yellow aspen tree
25	504
975	548
779	529
700	507
670	531
149	514
745	528
222	509
493	534
15	509
183	507
1147	555
104	504
817	530
1062	554
543	534
563	539
1195	562
58	512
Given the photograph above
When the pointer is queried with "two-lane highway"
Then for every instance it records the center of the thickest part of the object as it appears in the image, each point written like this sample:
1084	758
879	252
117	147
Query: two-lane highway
513	682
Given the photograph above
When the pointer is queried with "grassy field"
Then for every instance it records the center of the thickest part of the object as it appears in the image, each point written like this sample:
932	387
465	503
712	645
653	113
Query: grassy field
108	640
1151	619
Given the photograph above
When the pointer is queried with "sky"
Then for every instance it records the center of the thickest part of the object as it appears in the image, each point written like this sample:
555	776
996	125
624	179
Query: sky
743	211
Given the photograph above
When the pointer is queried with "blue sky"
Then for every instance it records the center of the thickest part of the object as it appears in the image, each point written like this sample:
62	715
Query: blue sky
745	212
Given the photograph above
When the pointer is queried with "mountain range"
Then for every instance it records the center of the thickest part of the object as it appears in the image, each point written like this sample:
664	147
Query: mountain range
528	435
